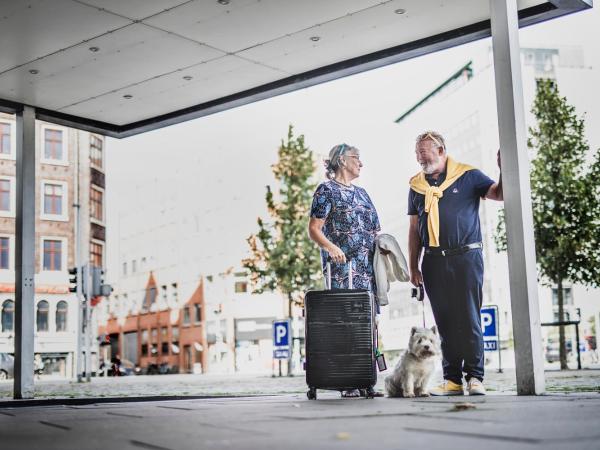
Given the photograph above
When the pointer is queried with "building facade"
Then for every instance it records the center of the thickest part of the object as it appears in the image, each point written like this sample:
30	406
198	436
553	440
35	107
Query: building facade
69	175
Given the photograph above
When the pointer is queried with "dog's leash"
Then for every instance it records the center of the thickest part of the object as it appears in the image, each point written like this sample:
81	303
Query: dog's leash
419	293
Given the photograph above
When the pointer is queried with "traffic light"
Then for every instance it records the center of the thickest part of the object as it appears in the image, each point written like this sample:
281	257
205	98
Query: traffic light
73	279
99	289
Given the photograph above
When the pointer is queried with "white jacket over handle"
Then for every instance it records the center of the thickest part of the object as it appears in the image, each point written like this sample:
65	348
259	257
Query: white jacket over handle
389	265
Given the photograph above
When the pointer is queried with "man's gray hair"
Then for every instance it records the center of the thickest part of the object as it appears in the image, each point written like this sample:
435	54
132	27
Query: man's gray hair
434	136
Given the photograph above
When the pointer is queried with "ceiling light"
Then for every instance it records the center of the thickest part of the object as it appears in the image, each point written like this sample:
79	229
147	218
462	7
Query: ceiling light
400	11
34	71
223	2
128	96
94	49
315	38
187	78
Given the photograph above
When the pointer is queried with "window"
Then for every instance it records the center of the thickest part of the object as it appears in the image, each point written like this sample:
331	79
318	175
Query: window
163	290
186	315
133	266
154	340
5	138
53	144
144	342
8	139
175	340
5	195
8	316
197	313
4	253
96	254
174	293
96	151
164	341
42	315
567	296
53	199
52	255
96	204
124	268
61	316
241	287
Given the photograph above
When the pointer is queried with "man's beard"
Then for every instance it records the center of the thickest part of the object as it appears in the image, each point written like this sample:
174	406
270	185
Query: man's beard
429	167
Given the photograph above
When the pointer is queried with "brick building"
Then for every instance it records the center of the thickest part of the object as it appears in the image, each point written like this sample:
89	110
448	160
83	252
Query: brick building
70	171
158	336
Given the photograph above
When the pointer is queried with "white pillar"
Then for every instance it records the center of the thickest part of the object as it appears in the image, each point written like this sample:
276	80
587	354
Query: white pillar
25	254
517	198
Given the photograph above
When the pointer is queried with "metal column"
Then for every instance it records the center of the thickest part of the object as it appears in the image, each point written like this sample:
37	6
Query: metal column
25	254
517	198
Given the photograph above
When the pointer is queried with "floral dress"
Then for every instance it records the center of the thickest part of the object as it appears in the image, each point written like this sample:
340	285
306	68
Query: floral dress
352	224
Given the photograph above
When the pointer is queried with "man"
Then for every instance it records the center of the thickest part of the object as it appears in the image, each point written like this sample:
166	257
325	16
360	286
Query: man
443	205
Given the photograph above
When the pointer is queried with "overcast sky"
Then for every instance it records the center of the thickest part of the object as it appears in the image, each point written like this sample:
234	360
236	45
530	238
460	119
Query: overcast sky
216	167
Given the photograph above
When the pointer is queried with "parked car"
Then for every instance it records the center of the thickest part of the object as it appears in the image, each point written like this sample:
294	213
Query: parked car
552	351
7	366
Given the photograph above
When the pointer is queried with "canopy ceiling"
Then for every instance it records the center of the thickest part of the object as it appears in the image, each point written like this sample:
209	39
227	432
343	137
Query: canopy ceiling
124	67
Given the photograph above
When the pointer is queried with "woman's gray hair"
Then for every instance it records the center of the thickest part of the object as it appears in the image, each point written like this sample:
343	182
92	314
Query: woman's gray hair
333	163
434	136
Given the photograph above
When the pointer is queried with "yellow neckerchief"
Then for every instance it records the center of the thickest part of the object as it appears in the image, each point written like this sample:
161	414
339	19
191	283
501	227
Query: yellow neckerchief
418	183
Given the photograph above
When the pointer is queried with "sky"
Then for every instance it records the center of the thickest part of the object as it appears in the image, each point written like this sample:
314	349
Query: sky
213	171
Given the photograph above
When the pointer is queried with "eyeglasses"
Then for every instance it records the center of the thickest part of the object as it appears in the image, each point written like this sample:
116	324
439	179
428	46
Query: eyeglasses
434	139
354	156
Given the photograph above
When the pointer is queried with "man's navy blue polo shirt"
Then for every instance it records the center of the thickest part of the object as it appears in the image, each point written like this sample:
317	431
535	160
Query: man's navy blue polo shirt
459	209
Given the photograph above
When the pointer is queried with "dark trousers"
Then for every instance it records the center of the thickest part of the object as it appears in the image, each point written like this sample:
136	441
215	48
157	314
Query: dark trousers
454	287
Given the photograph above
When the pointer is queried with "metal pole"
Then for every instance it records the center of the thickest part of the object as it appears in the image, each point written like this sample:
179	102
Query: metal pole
517	198
25	254
577	343
499	341
88	345
79	293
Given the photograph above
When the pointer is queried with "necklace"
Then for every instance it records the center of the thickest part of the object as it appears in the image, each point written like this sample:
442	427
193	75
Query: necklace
342	184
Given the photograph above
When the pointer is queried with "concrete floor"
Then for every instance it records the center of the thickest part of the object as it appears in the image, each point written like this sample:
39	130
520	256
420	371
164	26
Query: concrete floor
290	421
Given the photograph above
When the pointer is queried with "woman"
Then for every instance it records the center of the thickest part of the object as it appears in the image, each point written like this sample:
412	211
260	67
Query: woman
344	223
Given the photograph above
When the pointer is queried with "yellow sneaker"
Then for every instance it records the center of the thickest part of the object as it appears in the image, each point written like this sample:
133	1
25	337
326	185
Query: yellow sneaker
475	387
448	387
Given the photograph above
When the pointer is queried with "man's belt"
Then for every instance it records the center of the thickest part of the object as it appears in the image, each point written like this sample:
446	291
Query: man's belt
452	251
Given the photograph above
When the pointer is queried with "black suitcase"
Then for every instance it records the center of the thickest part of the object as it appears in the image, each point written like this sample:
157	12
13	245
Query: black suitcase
340	339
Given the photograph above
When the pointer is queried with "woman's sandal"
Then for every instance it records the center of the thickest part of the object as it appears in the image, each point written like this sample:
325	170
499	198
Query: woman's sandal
353	393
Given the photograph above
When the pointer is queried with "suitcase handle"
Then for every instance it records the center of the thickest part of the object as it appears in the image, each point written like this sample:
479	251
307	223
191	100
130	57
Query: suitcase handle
328	277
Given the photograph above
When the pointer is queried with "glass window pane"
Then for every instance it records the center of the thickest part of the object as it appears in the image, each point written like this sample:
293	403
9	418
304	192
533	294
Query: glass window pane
5	195
61	316
8	314
42	316
4	253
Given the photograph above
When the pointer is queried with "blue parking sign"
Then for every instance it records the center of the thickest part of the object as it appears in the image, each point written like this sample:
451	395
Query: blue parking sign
281	333
488	322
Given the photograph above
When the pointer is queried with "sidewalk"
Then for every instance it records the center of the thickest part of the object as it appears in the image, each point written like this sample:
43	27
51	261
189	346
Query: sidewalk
290	421
572	381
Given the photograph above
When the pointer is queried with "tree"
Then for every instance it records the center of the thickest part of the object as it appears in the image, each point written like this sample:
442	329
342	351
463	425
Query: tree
282	255
565	199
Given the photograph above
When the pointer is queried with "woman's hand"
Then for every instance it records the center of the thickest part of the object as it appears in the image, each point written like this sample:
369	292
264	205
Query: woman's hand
336	254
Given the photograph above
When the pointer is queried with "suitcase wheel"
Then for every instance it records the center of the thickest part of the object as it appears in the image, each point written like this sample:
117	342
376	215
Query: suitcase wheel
367	393
311	394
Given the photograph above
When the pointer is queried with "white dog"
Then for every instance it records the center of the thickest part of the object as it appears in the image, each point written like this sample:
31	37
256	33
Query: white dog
412	373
